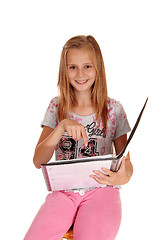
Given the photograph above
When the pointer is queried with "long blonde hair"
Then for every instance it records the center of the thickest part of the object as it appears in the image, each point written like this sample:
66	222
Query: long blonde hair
99	88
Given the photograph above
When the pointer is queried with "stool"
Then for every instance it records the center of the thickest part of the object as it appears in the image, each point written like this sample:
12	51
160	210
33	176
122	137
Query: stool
68	235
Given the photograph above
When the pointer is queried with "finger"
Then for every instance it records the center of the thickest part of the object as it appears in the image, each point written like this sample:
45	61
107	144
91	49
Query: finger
108	172
101	175
84	136
128	156
74	133
69	132
78	133
123	160
97	179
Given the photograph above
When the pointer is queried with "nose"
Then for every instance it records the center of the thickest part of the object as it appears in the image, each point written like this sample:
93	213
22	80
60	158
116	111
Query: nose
80	73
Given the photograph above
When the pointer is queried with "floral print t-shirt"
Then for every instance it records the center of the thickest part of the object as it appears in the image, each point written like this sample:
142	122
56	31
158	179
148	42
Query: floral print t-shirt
99	143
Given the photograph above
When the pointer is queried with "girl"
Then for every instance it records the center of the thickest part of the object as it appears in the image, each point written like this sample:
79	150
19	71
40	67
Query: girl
82	122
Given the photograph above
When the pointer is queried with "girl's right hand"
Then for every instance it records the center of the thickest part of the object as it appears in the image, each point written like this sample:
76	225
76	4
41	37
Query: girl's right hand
75	130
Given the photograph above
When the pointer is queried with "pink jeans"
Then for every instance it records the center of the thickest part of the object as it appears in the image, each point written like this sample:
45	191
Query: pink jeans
96	215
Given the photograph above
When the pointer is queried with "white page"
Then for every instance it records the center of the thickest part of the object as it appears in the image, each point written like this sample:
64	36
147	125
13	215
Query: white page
76	175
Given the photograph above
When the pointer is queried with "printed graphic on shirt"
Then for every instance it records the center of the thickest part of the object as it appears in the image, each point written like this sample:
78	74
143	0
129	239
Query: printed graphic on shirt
90	150
93	129
69	147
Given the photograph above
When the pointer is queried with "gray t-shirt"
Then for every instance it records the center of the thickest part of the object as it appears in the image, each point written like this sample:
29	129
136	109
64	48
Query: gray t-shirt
99	143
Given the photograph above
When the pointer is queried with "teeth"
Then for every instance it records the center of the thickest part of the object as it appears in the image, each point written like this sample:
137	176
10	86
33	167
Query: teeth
81	81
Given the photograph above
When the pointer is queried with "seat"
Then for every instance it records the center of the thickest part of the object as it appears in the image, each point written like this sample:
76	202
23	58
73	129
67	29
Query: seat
68	235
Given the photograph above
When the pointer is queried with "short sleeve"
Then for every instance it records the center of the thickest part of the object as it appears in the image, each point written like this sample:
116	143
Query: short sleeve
50	117
122	125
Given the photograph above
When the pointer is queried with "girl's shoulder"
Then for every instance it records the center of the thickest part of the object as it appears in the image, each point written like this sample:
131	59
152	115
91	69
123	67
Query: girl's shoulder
113	104
50	117
115	108
53	103
52	107
54	100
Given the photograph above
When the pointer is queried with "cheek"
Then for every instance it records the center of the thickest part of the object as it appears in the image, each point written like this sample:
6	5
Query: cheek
92	74
71	74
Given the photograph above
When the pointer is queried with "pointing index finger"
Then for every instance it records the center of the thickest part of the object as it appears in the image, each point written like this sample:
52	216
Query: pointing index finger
84	136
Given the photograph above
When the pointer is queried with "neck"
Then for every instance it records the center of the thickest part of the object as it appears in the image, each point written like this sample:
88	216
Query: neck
83	99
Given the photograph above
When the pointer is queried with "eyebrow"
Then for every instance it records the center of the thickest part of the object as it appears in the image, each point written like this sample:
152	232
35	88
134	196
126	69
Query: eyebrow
76	64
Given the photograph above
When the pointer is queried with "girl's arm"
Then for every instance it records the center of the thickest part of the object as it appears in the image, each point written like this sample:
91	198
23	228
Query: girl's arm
50	137
46	145
125	171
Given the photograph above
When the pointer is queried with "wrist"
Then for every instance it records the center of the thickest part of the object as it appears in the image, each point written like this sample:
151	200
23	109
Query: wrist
61	126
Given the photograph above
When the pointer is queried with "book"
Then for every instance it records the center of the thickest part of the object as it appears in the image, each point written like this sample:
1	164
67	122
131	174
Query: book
74	173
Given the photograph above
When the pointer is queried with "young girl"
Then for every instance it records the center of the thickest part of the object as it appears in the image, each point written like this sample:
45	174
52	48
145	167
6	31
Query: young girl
83	121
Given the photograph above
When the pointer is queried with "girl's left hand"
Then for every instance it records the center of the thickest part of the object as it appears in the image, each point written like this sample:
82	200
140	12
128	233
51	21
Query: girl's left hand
122	176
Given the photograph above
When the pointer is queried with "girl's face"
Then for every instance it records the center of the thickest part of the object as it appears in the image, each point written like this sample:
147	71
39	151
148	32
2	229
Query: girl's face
80	69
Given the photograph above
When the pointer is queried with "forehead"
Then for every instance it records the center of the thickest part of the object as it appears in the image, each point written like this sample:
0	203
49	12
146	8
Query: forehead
77	56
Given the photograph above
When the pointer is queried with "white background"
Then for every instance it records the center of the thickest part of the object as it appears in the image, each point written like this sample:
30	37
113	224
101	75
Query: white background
132	37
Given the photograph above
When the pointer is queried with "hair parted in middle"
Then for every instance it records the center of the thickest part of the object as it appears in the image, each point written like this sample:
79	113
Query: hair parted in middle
99	88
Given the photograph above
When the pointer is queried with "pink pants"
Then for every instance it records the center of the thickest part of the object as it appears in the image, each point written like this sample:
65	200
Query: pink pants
96	215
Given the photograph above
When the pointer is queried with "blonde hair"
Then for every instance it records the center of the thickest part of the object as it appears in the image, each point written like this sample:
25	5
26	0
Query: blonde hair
99	88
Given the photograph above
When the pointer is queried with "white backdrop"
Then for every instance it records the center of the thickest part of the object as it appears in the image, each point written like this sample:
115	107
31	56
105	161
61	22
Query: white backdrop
132	37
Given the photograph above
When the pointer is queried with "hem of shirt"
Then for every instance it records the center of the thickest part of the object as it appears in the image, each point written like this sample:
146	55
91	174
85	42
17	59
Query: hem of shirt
46	124
91	188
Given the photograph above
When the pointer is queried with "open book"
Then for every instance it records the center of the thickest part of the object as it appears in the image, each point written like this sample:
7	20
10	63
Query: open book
74	173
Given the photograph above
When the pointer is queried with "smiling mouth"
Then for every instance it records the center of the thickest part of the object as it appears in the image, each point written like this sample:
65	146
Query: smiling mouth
81	82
